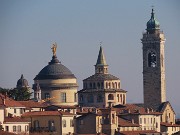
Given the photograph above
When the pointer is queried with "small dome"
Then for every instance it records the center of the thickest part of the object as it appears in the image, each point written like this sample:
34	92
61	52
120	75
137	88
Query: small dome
54	70
22	82
153	24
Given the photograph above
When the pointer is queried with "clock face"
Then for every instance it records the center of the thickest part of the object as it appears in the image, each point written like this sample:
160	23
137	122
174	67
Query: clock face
152	59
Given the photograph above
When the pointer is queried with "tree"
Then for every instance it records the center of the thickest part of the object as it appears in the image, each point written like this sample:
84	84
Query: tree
20	94
4	91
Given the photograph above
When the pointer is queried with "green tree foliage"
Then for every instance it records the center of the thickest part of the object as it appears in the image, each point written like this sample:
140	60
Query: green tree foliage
4	91
20	94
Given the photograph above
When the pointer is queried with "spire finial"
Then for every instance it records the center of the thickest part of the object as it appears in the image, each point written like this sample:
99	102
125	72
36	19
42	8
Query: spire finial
54	47
152	13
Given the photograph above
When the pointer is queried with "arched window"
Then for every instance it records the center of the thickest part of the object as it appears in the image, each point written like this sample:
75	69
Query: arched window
81	98
152	59
51	126
110	97
90	98
99	98
109	85
119	85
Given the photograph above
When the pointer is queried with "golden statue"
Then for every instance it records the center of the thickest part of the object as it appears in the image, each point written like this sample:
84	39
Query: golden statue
54	47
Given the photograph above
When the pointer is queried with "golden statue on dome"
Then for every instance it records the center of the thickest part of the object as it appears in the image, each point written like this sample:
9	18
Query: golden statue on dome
54	47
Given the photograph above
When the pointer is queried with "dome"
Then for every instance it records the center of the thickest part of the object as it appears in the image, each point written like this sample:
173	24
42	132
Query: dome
54	70
22	82
153	24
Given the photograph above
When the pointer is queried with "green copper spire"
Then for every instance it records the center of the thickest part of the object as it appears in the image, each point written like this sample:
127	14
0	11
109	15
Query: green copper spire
152	24
101	58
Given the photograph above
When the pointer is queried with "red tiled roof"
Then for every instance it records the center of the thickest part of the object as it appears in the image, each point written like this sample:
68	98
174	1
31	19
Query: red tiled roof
46	113
134	109
9	102
32	104
6	133
137	132
169	124
126	123
14	119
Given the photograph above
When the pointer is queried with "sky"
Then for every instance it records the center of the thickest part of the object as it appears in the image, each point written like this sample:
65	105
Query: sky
28	28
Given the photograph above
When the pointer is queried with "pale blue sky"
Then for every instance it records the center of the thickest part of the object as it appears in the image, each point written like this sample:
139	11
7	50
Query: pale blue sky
29	27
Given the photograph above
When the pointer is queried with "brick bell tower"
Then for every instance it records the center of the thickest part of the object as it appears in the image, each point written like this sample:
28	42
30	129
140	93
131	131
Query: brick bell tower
154	84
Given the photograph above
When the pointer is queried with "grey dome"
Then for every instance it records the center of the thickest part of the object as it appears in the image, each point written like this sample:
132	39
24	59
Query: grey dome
54	70
22	82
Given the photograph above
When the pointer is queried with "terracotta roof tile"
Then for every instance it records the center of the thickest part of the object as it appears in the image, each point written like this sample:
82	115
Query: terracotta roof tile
134	109
14	119
137	132
126	123
46	113
169	124
32	104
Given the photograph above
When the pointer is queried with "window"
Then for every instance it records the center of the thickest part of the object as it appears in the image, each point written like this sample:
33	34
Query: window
156	125
118	97
152	59
21	111
90	98
51	126
14	128
144	120
99	98
75	97
26	128
102	85
7	128
46	95
19	128
71	123
94	85
81	122
81	98
90	85
140	121
36	124
14	110
98	85
63	97
110	97
123	98
64	123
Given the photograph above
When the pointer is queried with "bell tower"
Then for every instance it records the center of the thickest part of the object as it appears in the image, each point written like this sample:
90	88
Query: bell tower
153	64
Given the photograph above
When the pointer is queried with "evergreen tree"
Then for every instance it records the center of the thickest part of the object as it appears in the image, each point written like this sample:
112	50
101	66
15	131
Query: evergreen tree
20	94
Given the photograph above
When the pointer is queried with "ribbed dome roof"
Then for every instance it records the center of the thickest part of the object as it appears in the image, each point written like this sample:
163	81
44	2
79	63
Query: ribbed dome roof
54	70
22	82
